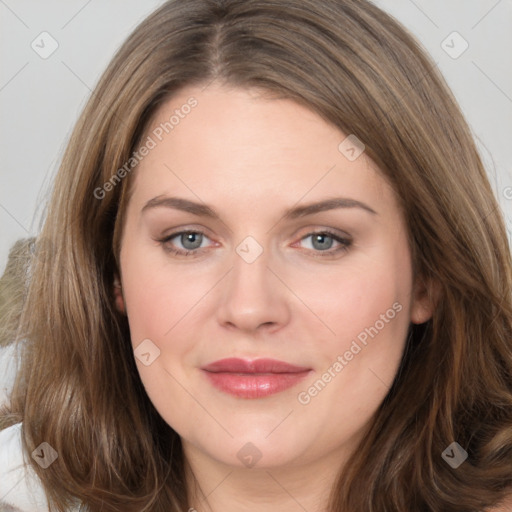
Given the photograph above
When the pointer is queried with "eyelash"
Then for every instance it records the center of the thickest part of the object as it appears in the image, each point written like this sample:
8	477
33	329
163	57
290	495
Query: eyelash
345	243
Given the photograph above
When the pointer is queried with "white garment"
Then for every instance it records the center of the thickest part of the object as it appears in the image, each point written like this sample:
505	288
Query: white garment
20	487
8	368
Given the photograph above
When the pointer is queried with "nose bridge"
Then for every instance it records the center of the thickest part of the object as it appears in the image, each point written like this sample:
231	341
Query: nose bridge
252	295
250	275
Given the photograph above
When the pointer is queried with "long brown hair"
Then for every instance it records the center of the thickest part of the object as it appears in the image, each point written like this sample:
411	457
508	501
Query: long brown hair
356	67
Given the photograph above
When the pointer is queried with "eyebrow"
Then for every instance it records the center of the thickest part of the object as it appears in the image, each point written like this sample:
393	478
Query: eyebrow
203	210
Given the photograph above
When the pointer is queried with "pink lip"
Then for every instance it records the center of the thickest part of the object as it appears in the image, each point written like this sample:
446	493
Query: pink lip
253	379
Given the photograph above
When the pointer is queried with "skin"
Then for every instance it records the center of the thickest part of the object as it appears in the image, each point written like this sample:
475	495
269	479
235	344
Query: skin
250	158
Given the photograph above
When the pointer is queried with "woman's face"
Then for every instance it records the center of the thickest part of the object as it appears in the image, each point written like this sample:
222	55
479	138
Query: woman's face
297	253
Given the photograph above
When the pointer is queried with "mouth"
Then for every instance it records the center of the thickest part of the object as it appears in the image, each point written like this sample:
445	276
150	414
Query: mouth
253	379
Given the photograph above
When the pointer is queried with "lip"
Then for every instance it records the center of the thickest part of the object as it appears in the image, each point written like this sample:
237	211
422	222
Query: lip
253	378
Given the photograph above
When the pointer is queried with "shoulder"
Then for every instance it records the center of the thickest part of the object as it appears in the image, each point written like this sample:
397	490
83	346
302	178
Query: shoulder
20	488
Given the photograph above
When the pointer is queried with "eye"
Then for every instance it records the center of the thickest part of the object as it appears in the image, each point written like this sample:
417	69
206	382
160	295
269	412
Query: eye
190	242
323	241
187	243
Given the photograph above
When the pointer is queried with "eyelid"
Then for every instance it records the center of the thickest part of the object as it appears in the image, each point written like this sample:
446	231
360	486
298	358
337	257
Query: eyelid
182	231
185	229
336	233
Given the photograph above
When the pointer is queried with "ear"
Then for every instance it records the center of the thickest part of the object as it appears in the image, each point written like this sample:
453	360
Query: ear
426	294
118	295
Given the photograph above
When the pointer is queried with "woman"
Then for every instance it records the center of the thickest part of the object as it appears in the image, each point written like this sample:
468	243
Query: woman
272	276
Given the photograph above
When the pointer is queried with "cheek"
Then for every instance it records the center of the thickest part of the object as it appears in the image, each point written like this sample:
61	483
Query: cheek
158	296
362	295
369	313
161	304
367	305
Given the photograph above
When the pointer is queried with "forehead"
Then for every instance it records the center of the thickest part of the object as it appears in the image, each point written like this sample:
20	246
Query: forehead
227	143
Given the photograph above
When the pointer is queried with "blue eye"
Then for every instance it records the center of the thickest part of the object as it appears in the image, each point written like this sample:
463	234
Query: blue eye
191	242
323	241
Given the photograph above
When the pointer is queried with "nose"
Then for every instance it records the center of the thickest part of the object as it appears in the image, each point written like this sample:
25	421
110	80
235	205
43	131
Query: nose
252	297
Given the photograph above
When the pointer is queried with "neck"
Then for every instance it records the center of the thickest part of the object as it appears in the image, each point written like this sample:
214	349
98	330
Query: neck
214	486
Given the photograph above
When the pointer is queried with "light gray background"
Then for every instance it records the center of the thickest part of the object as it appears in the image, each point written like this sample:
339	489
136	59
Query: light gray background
40	99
